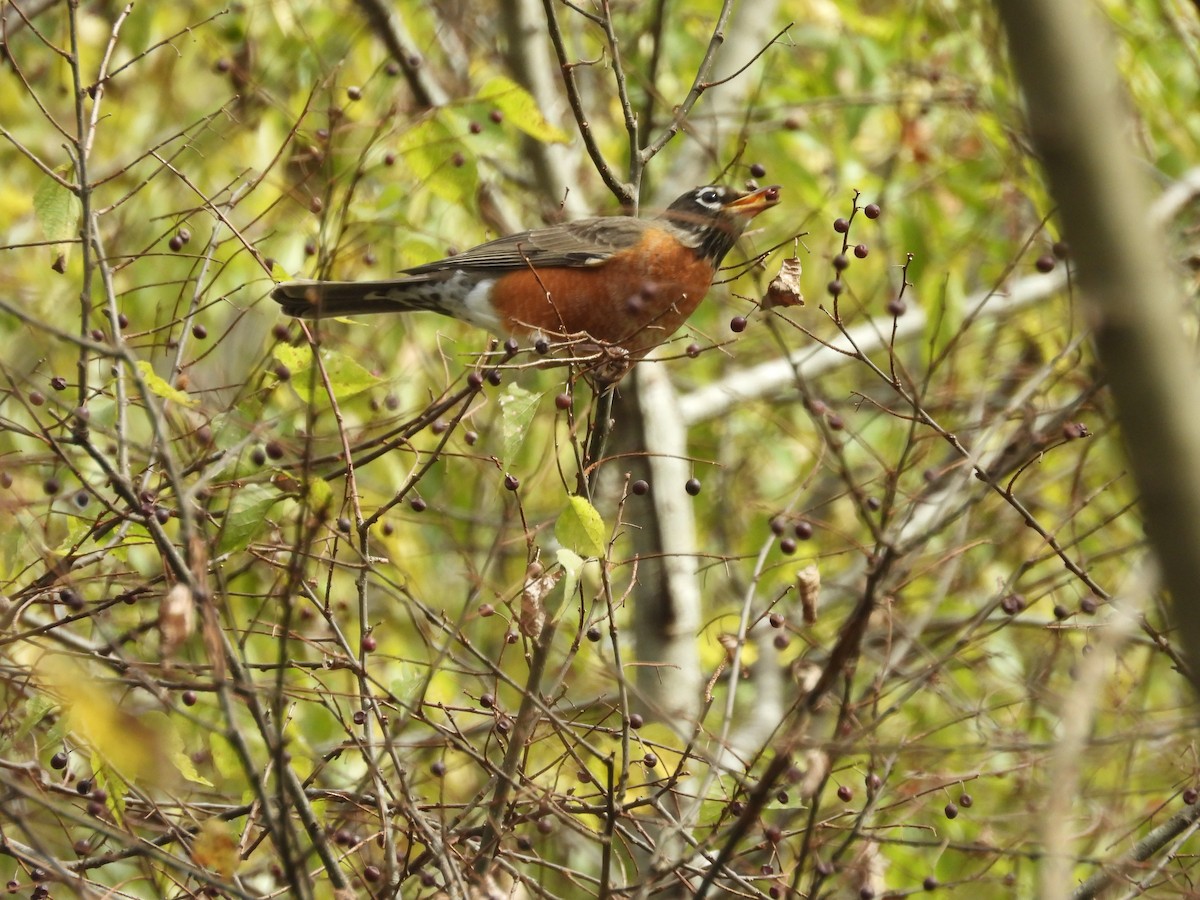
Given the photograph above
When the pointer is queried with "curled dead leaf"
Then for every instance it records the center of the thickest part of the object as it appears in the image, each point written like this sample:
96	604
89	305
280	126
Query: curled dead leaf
808	582
538	585
784	289
176	618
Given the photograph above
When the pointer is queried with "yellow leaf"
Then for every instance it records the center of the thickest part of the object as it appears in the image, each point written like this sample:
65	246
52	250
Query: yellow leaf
160	387
215	847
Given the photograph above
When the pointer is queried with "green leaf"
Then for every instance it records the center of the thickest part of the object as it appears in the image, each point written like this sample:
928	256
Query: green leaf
173	748
320	494
246	516
346	376
58	211
517	408
521	110
161	388
429	149
572	565
580	528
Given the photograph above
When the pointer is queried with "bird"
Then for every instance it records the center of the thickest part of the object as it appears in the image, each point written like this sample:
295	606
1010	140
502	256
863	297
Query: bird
622	283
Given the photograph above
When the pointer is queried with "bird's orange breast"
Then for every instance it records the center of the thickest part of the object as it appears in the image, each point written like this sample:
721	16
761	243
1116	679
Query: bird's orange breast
638	297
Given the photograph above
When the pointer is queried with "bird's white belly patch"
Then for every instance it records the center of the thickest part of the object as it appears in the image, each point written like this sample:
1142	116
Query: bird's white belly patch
477	308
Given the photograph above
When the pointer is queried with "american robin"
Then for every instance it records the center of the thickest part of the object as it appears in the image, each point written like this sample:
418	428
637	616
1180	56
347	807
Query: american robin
618	281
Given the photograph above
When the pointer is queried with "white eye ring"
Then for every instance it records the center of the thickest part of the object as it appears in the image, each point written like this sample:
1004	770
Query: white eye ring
710	197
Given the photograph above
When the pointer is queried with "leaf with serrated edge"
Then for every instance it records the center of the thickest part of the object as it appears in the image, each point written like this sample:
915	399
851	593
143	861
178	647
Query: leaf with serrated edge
521	110
517	408
246	516
160	388
580	528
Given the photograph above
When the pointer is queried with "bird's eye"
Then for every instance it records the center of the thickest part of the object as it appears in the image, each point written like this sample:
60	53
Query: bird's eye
710	197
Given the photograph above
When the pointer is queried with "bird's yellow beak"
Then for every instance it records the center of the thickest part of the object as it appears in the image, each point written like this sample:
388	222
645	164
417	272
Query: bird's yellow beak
751	204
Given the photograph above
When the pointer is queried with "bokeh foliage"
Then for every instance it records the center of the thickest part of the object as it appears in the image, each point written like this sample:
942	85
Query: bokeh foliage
373	636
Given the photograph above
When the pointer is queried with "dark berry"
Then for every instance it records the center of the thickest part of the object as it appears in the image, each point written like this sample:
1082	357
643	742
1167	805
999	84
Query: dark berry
758	170
371	873
562	401
845	794
1013	604
274	450
966	801
803	529
354	92
737	324
36	398
189	698
486	610
280	331
457	160
511	482
593	634
369	644
282	372
1045	262
840	225
1061	612
836	422
487	701
541	346
416	504
494	377
692	486
781	641
871	210
776	620
438	768
389	159
475	380
58	383
496	116
474	127
835	287
640	487
650	760
1060	249
841	262
359	717
930	883
343	525
258	456
874	782
951	810
860	250
693	350
175	243
787	546
1087	606
897	307
51	486
773	834
636	721
470	437
58	760
1190	796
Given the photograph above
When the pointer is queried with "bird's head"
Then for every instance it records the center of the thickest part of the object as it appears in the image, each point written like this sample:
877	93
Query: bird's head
713	217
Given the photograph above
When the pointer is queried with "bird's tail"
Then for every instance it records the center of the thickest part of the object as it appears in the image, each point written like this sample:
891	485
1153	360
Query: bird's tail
329	299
